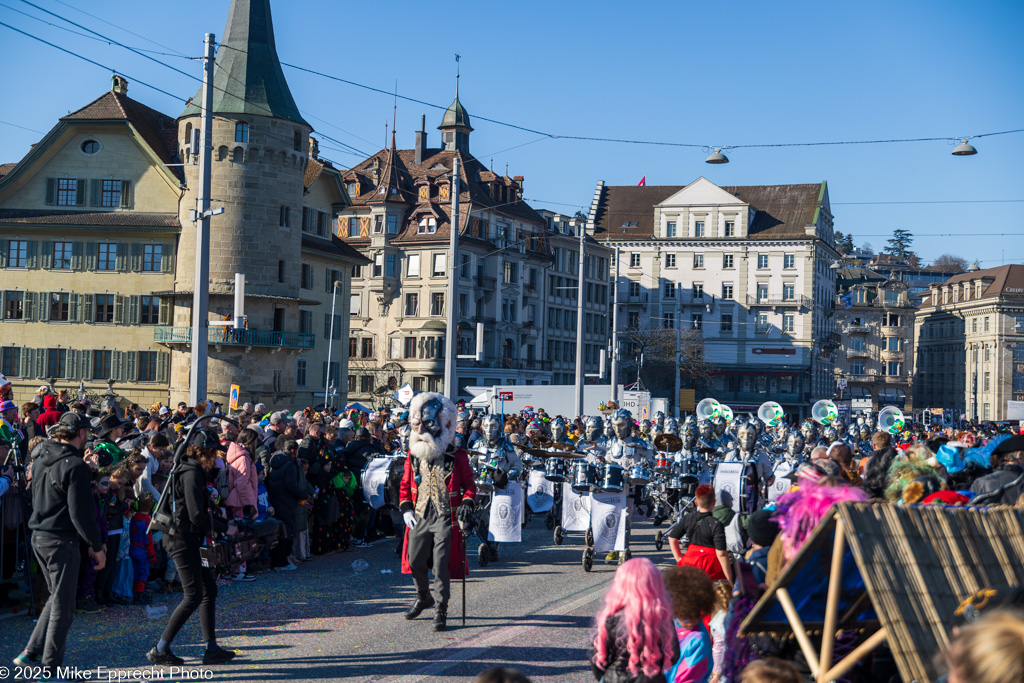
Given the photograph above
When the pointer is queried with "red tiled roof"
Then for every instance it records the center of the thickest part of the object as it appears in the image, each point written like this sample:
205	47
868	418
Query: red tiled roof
6	168
88	218
158	130
1005	280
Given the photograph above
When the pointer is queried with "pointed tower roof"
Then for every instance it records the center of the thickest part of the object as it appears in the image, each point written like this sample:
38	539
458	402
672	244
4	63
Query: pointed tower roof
247	73
456	115
392	187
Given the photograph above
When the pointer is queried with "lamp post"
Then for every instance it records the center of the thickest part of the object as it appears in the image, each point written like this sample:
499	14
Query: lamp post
450	354
330	345
579	323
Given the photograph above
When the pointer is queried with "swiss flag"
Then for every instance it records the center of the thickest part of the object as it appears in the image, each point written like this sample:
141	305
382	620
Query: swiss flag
643	182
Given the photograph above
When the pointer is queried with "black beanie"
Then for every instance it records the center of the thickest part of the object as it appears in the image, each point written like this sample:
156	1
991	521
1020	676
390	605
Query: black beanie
762	529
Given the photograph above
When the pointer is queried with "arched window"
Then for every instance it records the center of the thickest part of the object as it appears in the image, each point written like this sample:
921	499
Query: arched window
236	155
241	132
222	153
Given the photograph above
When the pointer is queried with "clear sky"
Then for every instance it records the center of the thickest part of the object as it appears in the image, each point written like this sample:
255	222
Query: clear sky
709	73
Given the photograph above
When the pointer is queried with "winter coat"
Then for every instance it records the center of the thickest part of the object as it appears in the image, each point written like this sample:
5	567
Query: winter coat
1002	476
194	516
62	503
242	479
50	415
617	667
286	487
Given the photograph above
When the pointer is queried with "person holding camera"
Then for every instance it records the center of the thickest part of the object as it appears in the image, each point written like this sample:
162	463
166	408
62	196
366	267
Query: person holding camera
62	513
193	519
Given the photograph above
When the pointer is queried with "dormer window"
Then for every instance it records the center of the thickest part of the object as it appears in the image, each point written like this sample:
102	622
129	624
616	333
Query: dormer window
428	226
353	189
443	192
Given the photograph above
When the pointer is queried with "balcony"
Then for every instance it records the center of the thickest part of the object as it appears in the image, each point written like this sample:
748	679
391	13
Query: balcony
777	301
832	340
897	304
222	336
857	329
858	353
893	331
892	355
879	379
530	290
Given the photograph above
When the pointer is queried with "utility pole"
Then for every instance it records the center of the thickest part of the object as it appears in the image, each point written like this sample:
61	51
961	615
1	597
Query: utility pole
450	375
201	280
676	367
579	324
330	344
615	330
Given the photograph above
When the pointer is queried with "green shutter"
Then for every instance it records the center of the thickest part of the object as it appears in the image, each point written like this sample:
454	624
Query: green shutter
97	193
118	309
126	194
117	366
47	254
43	306
74	309
27	356
91	255
72	364
86	308
76	255
133	310
136	265
33	246
51	190
122	257
4	245
131	363
85	364
162	361
165	311
167	259
29	306
80	191
41	363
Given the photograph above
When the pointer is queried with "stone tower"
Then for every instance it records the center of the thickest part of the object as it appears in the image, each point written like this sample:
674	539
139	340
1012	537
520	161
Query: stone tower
260	152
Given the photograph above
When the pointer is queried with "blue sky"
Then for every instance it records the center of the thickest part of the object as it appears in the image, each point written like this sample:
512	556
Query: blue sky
712	73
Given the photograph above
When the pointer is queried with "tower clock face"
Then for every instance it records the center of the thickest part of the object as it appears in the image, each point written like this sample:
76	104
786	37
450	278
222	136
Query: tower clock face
443	193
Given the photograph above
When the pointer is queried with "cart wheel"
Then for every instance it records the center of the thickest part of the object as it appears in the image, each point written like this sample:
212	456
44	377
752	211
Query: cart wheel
483	554
588	560
559	535
549	522
659	540
590	538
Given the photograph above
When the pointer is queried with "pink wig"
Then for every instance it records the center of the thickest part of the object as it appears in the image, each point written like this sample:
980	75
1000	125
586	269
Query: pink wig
640	603
800	511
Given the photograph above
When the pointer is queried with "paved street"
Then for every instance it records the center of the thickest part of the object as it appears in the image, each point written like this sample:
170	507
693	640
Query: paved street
325	622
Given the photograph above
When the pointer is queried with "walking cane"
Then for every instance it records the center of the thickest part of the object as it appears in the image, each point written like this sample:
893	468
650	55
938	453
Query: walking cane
465	568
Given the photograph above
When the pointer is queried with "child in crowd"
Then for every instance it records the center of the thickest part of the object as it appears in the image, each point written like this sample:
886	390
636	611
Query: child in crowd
113	504
693	597
142	552
723	595
87	574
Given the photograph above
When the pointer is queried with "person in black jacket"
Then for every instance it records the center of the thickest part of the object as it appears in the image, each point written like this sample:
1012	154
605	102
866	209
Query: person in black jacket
194	519
62	514
285	488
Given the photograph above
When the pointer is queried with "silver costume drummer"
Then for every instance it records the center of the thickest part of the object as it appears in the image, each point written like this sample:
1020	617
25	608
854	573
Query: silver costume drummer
635	457
496	462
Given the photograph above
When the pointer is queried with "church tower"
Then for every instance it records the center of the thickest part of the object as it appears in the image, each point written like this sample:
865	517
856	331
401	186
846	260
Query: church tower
260	153
455	128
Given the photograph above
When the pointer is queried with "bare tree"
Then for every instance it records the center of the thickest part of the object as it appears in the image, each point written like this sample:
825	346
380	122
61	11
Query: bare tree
385	378
651	350
950	262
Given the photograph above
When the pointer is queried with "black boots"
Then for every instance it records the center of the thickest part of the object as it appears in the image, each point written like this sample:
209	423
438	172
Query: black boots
440	618
418	607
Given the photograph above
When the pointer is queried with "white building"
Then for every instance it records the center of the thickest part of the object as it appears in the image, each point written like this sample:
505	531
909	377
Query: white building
748	266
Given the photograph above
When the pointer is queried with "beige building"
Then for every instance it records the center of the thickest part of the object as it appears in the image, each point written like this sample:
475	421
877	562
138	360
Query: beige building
746	266
516	270
970	343
97	247
875	317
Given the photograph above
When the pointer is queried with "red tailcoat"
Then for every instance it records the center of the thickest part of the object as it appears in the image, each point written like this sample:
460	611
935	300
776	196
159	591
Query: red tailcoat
459	477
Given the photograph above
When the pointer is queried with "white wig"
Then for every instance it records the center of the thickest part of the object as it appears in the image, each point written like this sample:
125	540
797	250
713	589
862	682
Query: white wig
446	417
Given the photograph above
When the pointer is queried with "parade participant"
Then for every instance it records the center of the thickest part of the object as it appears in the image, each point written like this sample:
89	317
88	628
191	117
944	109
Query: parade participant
112	428
707	549
809	430
627	450
671	426
795	447
725	440
9	427
559	432
437	480
658	424
746	451
497	454
709	445
594	432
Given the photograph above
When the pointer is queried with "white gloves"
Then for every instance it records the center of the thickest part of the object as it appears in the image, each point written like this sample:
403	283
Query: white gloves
410	519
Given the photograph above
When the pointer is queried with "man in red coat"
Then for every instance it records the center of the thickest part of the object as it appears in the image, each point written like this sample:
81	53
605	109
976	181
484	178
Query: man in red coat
437	490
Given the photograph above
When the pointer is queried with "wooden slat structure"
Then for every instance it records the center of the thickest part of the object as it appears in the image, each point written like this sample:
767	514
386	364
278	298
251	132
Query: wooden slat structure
896	572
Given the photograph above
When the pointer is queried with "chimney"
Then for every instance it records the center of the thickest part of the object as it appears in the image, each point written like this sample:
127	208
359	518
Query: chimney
120	85
421	140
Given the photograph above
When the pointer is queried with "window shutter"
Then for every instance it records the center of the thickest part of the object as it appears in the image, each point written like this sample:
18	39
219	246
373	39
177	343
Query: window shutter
127	195
72	364
74	308
136	265
327	325
76	255
30	306
162	361
51	190
118	309
86	308
117	366
167	259
122	257
165	311
4	244
31	259
97	193
327	280
85	365
27	356
47	254
91	255
131	363
80	191
133	310
43	304
40	363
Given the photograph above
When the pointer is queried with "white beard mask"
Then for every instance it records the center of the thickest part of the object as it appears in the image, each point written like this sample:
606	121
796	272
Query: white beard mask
425	447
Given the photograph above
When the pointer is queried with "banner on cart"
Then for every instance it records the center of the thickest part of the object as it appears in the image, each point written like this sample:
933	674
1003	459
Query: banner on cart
375	481
506	524
540	493
608	521
575	510
784	479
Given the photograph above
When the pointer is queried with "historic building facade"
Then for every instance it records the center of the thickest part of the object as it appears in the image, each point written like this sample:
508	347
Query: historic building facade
747	266
970	343
96	231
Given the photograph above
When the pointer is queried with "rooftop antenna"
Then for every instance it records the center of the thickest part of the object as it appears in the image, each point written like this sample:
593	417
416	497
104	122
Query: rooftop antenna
457	74
394	115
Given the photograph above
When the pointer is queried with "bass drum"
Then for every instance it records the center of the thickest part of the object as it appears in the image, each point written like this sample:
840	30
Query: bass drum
731	480
785	478
392	481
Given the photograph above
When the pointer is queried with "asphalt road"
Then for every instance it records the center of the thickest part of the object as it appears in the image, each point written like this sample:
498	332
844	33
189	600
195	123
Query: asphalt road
325	622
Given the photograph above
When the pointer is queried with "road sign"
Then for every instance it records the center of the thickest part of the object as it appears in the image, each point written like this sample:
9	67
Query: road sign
233	403
643	412
505	395
405	394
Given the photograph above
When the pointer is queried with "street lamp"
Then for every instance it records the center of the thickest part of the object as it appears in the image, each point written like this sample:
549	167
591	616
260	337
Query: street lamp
330	345
964	149
716	157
